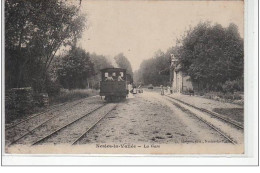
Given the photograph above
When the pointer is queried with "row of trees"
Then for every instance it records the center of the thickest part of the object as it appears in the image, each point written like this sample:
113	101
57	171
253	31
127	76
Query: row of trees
213	56
79	69
36	32
154	71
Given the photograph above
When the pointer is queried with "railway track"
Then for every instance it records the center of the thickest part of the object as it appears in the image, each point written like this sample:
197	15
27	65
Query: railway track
41	113
91	127
35	127
234	123
218	130
31	130
34	116
73	127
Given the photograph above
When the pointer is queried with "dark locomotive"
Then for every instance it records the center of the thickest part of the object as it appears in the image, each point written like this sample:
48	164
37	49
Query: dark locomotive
114	84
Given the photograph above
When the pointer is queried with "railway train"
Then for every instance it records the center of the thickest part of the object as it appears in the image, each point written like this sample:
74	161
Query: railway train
114	84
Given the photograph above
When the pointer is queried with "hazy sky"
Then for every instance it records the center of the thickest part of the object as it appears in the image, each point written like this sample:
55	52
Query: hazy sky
139	28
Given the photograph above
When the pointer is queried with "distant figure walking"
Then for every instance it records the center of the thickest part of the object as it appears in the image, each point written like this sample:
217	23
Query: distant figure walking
134	90
162	90
168	89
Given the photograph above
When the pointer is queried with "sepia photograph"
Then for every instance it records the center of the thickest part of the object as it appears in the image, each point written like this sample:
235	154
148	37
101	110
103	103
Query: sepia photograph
123	77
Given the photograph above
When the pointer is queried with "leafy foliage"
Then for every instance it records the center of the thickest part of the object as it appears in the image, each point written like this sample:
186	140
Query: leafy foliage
123	62
233	86
100	62
75	69
211	55
34	31
150	70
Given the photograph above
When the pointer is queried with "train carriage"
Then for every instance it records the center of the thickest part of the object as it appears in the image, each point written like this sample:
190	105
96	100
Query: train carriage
113	84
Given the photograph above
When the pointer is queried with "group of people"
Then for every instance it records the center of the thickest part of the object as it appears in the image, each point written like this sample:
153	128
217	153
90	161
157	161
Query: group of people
165	90
114	78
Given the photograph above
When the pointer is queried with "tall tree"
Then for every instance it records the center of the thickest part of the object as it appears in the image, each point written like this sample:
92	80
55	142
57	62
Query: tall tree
100	62
75	69
150	70
211	54
34	31
123	62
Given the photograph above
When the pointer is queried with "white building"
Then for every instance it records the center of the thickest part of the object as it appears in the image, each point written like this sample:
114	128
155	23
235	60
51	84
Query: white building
181	82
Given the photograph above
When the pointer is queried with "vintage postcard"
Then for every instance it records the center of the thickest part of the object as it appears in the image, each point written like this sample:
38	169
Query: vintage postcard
147	77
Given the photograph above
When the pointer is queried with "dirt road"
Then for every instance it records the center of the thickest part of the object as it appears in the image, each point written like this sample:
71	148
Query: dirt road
149	118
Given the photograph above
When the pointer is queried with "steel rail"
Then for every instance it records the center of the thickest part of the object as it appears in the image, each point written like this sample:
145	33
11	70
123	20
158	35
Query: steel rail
30	131
79	138
63	127
31	117
204	121
38	114
211	113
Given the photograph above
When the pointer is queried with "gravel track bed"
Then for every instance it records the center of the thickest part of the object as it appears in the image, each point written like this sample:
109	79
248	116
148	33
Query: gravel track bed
75	130
45	110
26	126
48	110
233	132
64	116
147	118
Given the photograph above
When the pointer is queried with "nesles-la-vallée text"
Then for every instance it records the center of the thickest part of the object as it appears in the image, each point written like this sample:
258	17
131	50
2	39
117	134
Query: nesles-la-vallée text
127	146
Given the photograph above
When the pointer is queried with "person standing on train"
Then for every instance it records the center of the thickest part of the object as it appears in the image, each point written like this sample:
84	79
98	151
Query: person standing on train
114	76
109	78
120	78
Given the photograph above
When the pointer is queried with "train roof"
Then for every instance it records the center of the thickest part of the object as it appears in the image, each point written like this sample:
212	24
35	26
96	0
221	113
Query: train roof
113	69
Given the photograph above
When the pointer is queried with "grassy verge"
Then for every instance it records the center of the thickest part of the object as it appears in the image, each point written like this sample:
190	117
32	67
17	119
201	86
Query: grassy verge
70	95
236	98
236	114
